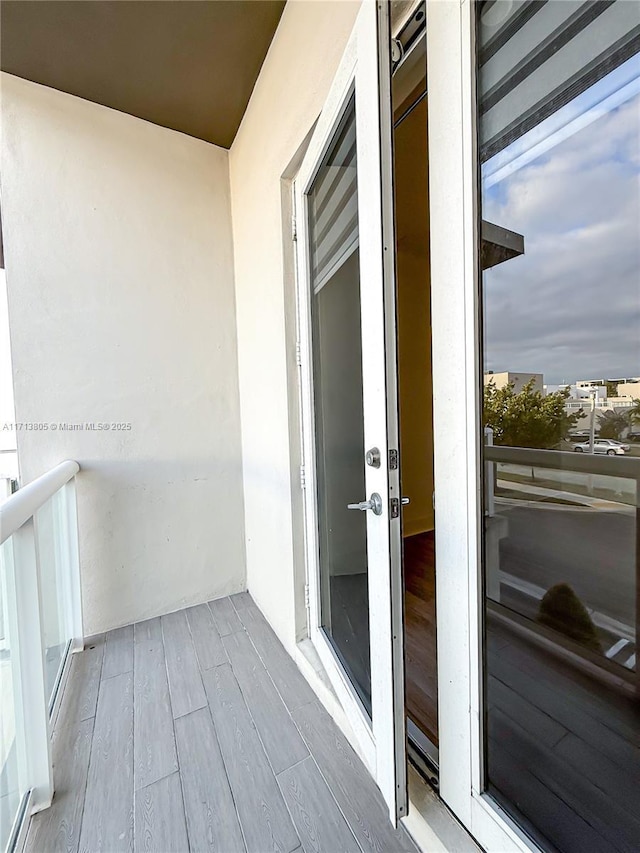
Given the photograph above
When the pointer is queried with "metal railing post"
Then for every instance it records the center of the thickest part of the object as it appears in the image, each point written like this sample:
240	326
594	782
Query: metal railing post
71	550
490	476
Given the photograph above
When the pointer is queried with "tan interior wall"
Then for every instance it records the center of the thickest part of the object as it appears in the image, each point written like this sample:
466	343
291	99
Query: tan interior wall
414	320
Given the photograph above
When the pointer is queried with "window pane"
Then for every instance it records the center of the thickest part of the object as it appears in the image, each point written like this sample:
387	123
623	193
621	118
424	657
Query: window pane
559	147
339	424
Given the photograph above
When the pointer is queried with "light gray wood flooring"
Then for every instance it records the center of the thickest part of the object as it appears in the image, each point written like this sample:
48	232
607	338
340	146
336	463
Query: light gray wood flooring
197	732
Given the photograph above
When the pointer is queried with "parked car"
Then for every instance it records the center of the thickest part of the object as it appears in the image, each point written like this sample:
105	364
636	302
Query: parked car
603	445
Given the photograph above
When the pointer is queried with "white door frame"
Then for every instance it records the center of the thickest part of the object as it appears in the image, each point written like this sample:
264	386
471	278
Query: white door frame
453	173
383	739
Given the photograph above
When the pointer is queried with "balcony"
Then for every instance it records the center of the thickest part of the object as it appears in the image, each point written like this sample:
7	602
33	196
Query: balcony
190	731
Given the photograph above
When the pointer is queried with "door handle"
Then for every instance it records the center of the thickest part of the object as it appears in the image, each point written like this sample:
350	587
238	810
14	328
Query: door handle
405	501
374	504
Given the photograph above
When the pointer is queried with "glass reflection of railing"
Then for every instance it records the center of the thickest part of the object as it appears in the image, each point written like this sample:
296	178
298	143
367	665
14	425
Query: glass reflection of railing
599	404
561	551
40	624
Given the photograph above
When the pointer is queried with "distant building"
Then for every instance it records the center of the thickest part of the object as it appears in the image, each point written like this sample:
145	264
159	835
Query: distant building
630	388
583	390
580	391
580	399
585	383
611	381
518	380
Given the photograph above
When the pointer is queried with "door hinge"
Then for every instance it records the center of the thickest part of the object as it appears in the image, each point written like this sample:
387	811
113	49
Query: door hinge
393	460
298	354
306	596
303	477
394	507
294	229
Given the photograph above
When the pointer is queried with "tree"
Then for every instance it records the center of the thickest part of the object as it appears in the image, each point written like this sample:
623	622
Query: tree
528	418
634	412
612	424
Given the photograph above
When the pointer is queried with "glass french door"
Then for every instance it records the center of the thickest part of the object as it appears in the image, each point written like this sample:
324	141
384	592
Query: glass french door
531	107
344	220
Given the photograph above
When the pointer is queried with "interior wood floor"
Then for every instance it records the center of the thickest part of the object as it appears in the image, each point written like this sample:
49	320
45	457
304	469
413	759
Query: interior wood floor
420	633
196	731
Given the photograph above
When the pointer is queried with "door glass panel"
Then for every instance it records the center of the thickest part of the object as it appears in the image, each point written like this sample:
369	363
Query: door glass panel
559	144
339	426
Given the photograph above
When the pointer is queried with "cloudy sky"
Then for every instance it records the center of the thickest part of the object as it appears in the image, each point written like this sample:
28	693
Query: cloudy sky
570	306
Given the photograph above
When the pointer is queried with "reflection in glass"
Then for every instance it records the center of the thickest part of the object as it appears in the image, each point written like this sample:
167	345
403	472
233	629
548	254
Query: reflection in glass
559	144
337	379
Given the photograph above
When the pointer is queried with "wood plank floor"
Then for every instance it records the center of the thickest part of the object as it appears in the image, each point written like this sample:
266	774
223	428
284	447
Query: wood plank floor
197	732
421	673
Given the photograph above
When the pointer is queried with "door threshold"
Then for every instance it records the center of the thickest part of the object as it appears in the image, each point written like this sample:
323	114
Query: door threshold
423	754
430	823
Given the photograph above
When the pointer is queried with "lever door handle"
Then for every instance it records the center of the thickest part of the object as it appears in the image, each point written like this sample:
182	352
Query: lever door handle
374	504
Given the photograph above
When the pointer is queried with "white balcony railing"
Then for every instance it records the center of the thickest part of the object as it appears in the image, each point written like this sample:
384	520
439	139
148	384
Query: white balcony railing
40	625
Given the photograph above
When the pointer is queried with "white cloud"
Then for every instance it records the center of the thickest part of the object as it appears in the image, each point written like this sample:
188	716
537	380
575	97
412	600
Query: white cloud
570	307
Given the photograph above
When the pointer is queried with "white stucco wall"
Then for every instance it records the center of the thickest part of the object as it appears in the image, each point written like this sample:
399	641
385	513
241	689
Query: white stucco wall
119	264
286	101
